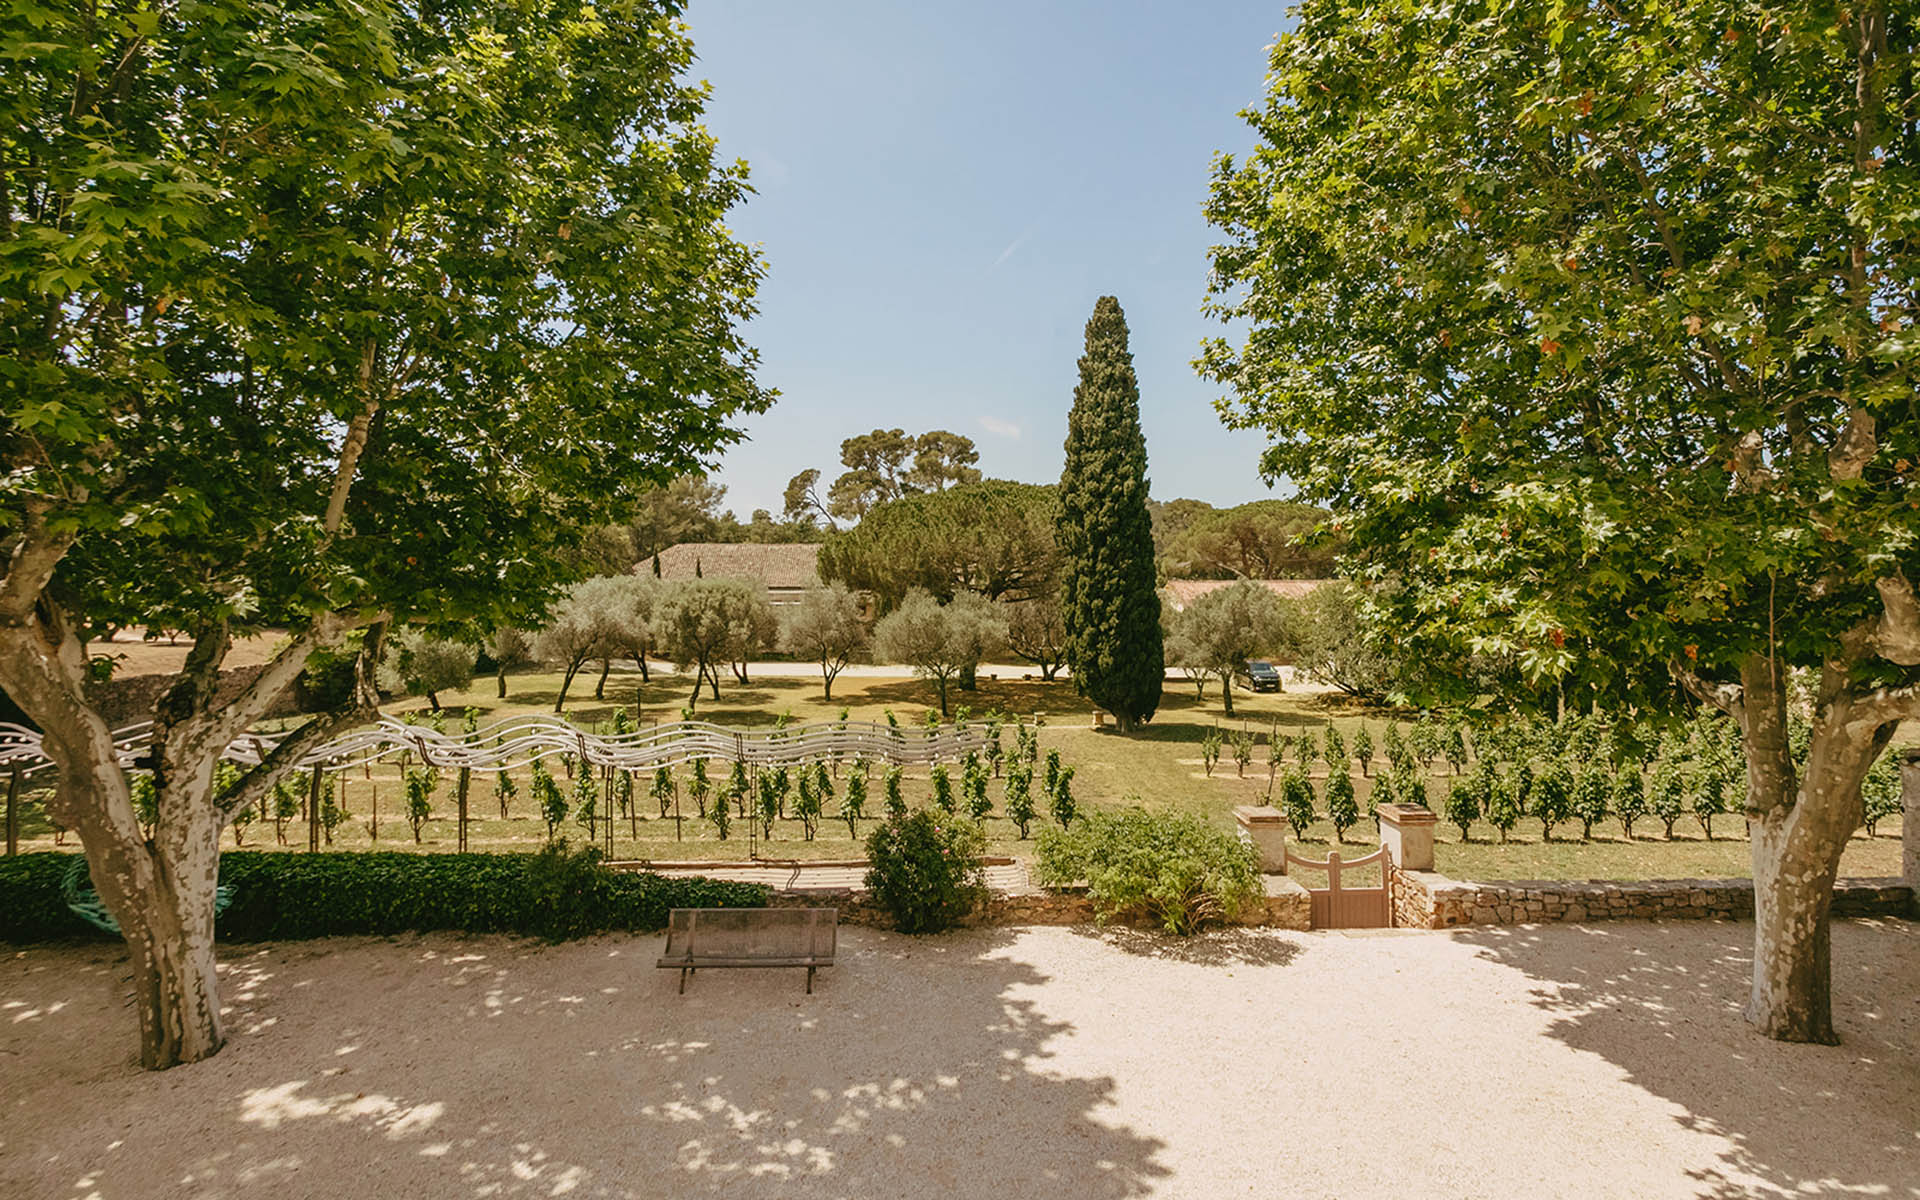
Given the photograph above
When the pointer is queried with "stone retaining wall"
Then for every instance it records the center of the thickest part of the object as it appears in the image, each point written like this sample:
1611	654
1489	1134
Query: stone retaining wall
1428	900
1285	906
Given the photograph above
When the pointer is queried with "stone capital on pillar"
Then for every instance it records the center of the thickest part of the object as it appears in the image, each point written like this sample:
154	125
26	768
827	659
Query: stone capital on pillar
1406	831
1264	828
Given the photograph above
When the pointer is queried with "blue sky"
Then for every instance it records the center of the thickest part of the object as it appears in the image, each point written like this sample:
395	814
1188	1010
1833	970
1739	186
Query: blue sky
943	192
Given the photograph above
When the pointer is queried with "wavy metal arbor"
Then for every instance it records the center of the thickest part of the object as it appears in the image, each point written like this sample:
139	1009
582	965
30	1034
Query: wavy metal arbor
520	741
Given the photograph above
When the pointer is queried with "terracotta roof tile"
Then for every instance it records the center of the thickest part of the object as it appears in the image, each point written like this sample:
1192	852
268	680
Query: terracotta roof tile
789	565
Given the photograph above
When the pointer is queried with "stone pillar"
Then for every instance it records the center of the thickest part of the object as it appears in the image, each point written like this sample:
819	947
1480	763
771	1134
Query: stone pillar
1406	830
1910	821
1263	828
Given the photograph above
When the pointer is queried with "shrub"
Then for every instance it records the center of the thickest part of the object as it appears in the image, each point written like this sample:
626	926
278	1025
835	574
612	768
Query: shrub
1456	744
1296	800
419	800
1669	793
699	786
1411	787
770	803
557	893
665	790
1242	752
505	790
1020	808
1363	750
586	799
1463	806
942	781
738	789
925	870
1210	750
1629	795
974	784
810	805
1341	809
1335	752
1589	799
1060	805
1380	793
1501	811
1710	800
1879	794
1427	740
1172	869
895	802
551	801
720	816
1553	798
853	805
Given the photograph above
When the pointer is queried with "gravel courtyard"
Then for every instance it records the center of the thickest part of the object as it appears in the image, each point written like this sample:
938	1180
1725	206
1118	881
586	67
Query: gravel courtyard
1531	1062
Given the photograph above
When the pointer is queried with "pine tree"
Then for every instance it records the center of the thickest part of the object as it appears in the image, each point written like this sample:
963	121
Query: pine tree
1109	603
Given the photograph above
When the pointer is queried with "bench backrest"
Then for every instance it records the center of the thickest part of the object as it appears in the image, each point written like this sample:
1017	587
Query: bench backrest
752	932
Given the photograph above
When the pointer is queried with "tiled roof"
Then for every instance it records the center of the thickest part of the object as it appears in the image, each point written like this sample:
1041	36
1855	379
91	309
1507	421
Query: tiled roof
790	565
1182	592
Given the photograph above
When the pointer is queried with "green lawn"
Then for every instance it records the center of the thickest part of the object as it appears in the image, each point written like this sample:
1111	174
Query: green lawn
1161	766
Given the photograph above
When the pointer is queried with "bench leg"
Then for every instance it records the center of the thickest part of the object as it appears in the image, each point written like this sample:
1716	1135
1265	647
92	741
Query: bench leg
683	981
809	981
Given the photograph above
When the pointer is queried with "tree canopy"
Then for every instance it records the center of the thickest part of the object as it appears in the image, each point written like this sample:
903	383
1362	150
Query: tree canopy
328	317
994	537
941	642
1218	632
826	627
1263	539
1596	330
882	466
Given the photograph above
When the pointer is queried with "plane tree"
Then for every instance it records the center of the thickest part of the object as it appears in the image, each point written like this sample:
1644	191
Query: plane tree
334	319
1594	326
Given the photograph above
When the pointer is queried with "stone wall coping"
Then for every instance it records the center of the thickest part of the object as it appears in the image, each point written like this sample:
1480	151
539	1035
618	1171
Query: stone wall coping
1258	814
1408	814
1283	885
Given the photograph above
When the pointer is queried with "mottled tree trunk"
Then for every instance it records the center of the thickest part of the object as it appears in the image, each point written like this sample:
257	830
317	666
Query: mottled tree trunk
1799	823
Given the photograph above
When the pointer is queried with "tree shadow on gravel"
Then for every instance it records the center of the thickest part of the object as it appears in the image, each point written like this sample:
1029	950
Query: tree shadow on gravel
491	1067
1215	948
1809	1120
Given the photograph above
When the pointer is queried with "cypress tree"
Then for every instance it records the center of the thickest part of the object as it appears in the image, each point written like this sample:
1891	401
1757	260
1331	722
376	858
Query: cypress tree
1109	603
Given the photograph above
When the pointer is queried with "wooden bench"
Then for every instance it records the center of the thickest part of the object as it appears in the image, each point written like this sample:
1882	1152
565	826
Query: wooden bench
750	937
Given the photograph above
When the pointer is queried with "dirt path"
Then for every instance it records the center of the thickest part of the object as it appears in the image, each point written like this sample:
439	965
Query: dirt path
1529	1062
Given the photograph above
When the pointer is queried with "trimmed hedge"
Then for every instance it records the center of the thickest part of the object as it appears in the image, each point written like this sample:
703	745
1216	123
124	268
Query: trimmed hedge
32	908
553	894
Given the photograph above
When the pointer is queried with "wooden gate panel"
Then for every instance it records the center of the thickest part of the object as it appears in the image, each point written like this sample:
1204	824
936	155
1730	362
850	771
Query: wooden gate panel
1340	907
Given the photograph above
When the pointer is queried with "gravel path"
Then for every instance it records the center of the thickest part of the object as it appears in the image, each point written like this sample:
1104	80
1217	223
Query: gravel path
1524	1062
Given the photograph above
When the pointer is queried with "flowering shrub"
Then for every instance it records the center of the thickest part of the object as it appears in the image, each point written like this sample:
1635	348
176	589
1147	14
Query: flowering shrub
924	869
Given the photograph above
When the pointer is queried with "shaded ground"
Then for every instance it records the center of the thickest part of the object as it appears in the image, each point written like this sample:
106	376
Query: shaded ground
1550	1061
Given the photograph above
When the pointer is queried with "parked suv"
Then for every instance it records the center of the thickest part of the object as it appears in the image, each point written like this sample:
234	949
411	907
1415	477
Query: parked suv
1260	675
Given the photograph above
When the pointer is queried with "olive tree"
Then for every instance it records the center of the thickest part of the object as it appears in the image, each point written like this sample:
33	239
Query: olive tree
1219	631
826	627
940	641
330	319
1594	328
429	665
701	623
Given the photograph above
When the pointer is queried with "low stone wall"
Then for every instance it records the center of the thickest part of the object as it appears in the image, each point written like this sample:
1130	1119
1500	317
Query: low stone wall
1428	900
1286	905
